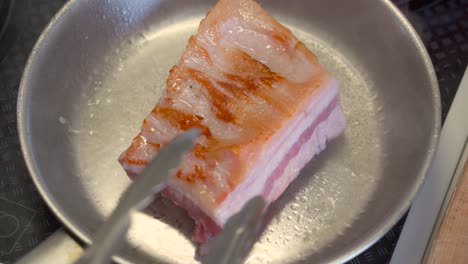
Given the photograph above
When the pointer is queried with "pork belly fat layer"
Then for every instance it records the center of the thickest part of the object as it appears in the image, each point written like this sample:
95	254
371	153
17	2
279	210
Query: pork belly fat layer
265	106
289	150
306	137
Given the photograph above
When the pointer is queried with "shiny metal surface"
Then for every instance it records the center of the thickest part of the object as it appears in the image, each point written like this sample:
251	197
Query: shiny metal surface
137	197
100	66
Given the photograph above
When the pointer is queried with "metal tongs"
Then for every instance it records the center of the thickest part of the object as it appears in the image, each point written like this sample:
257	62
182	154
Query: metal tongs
232	245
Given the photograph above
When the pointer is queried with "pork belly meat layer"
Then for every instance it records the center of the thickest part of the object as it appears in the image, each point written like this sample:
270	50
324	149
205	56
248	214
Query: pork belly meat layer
264	104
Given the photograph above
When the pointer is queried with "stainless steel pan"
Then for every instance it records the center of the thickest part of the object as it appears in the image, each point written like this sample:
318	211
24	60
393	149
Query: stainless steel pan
100	66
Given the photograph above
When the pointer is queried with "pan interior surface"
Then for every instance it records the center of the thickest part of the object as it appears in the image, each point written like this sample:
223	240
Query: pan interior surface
92	99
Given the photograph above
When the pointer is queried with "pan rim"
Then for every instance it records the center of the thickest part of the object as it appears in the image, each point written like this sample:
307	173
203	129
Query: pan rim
26	146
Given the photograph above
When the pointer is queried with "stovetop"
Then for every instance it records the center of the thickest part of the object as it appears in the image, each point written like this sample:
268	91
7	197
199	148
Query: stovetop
25	220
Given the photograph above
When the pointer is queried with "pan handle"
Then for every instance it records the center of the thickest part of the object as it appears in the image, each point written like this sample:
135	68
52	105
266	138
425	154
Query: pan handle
59	248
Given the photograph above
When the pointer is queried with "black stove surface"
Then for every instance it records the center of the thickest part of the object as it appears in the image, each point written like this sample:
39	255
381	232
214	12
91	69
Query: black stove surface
25	220
6	10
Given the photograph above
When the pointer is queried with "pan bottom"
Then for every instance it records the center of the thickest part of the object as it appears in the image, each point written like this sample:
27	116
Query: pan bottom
317	209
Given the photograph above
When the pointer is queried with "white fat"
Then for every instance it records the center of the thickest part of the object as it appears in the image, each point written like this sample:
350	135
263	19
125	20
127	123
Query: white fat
278	146
325	131
262	47
159	130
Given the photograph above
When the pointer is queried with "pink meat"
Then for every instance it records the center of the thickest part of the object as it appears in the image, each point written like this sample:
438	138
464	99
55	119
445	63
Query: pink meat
265	105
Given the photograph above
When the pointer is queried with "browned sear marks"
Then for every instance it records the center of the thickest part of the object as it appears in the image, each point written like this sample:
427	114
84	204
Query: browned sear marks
192	177
136	161
200	151
181	120
249	79
218	99
154	145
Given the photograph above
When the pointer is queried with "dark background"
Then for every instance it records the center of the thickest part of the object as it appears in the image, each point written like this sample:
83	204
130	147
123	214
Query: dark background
25	220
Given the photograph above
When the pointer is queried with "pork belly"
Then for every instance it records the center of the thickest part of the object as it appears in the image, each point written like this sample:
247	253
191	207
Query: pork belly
265	106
